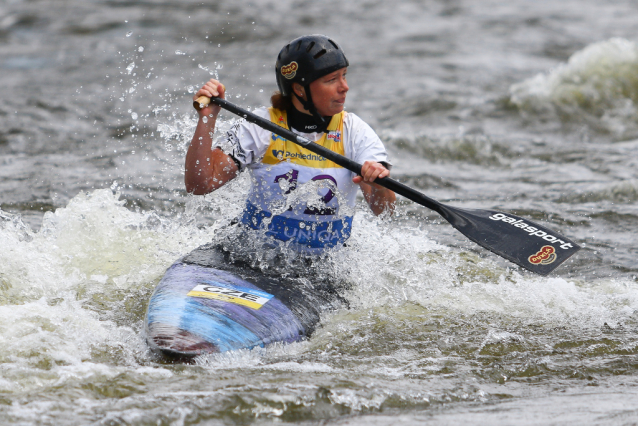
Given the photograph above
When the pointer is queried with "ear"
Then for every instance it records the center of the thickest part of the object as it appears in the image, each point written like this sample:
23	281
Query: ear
299	90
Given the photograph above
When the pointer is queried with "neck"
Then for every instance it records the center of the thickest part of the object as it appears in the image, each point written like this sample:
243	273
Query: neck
304	122
296	103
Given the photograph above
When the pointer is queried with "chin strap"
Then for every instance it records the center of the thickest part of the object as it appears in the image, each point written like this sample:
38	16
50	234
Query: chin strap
310	107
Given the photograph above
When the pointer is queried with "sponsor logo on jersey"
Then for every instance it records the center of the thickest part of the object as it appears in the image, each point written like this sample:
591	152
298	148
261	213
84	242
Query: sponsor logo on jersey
335	135
324	236
544	256
249	297
282	155
531	230
289	71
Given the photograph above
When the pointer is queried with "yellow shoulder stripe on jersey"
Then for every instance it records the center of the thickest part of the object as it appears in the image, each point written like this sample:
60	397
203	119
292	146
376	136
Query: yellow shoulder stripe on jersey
281	149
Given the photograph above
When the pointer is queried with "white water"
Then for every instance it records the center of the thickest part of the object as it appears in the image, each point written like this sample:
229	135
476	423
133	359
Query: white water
72	318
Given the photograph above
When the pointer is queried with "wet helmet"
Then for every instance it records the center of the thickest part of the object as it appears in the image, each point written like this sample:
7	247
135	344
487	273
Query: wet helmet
306	59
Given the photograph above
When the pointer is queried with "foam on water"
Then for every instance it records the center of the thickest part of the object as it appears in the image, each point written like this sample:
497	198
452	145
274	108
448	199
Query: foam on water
74	295
412	268
94	256
469	149
74	292
623	192
598	84
95	239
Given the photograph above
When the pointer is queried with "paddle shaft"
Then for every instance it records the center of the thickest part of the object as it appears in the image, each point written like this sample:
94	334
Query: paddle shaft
525	243
344	162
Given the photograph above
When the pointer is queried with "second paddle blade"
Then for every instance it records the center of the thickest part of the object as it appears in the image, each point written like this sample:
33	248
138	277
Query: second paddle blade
527	244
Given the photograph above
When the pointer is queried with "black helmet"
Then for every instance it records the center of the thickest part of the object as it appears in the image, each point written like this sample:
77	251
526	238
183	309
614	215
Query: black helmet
306	59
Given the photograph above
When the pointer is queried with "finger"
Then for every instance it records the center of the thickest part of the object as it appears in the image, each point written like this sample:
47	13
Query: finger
212	90
373	172
215	89
205	90
212	82
202	92
373	175
365	170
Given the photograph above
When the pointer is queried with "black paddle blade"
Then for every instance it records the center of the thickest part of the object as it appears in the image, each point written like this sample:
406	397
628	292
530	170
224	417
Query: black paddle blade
523	242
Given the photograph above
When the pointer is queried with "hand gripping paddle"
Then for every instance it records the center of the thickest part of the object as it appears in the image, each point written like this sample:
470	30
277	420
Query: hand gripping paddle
521	241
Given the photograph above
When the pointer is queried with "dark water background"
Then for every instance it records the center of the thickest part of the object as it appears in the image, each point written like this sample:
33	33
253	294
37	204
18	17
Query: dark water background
525	107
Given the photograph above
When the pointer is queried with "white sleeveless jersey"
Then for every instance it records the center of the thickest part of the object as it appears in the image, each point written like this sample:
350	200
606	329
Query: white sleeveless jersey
296	194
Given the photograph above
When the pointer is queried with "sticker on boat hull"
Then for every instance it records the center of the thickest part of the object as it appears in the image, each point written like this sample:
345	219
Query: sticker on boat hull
249	297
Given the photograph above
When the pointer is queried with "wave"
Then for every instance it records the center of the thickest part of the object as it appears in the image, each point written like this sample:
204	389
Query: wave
625	191
598	85
472	149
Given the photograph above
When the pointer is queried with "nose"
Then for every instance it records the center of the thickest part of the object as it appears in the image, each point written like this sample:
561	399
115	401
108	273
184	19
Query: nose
343	84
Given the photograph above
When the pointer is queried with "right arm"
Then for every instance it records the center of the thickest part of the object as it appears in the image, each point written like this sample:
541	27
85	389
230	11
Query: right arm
207	169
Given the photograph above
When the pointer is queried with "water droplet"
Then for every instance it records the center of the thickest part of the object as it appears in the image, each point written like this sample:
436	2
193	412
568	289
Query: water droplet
134	116
130	33
205	119
140	49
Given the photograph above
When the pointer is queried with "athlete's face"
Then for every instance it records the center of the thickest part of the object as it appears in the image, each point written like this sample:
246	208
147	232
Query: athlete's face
329	92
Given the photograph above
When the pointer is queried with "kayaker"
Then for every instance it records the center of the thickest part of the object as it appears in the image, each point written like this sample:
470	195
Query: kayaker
296	196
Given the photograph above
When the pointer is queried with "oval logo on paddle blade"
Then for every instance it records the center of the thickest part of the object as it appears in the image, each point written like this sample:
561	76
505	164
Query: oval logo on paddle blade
544	256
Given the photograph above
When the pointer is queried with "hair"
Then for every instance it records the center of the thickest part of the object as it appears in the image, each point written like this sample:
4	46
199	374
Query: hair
281	102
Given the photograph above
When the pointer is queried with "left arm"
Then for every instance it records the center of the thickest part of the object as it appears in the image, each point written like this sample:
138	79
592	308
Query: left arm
379	199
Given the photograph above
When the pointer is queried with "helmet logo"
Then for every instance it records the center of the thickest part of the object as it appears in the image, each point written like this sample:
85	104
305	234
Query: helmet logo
289	71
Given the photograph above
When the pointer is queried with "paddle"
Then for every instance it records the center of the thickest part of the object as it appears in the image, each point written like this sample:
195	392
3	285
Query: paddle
523	242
